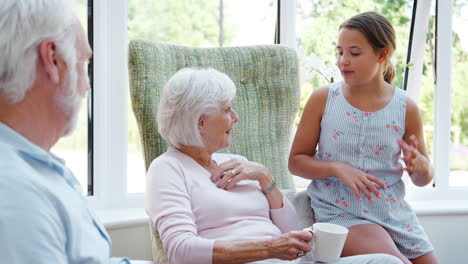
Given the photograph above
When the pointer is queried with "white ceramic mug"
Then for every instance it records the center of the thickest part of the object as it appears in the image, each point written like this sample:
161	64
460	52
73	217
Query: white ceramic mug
328	241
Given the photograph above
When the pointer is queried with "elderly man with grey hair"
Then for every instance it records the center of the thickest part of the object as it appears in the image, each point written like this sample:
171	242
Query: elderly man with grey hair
43	216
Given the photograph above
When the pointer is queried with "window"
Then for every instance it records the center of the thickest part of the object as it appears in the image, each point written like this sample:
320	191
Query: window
443	66
457	132
459	93
74	148
119	166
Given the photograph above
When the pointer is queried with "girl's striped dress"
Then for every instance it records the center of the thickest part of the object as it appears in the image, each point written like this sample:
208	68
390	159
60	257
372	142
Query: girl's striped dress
367	141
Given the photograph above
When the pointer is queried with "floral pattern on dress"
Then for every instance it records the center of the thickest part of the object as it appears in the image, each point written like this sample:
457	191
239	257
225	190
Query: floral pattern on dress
337	133
354	115
385	181
326	184
403	101
364	170
393	125
390	198
413	248
379	148
407	227
335	92
343	202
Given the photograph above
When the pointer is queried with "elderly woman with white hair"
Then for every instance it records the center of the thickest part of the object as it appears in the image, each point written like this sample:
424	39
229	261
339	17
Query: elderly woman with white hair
210	207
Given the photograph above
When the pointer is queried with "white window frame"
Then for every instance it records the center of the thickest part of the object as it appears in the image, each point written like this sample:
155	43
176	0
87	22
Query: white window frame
111	102
110	107
442	106
288	23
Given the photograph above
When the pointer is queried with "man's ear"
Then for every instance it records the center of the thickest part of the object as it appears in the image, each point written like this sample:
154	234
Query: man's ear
384	54
52	63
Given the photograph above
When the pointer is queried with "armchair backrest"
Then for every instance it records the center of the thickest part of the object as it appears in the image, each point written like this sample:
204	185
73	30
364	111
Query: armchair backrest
267	97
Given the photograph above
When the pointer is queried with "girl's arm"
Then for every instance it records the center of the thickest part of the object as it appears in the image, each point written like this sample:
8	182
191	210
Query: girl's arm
301	159
413	146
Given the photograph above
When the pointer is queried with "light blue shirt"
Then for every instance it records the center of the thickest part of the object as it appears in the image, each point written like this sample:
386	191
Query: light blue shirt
44	217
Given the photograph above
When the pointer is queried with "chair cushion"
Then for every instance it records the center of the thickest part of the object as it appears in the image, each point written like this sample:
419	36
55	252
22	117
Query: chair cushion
301	202
305	214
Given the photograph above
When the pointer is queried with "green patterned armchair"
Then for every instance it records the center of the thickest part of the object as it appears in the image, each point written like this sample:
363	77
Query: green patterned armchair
267	100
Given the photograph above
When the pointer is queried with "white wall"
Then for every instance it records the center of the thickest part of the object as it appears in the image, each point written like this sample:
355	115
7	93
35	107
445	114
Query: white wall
448	233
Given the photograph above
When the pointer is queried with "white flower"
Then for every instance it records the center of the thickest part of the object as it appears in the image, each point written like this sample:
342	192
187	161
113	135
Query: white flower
313	61
315	67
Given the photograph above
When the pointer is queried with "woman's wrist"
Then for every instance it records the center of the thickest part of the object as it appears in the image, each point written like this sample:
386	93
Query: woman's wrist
265	180
266	183
270	188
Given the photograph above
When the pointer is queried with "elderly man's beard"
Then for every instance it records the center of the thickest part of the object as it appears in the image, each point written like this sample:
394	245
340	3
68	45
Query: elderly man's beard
71	102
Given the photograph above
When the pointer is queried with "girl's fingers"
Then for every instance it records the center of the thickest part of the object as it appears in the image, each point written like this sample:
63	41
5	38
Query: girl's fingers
356	192
377	181
409	159
403	145
414	140
373	189
366	192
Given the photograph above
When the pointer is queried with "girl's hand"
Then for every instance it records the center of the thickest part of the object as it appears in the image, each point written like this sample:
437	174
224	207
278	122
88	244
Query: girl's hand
229	173
358	180
416	163
291	245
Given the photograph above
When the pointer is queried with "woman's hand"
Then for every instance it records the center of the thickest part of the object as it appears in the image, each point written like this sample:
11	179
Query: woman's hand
417	165
229	173
359	180
291	245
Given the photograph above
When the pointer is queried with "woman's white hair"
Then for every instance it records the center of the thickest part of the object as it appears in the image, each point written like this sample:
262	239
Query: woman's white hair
187	96
23	25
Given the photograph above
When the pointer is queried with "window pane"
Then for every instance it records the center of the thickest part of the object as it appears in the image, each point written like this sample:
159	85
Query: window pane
249	22
184	22
317	27
74	148
459	108
193	23
136	171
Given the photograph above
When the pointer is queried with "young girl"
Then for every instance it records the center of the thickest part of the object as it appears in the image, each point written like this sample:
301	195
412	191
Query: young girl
361	126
